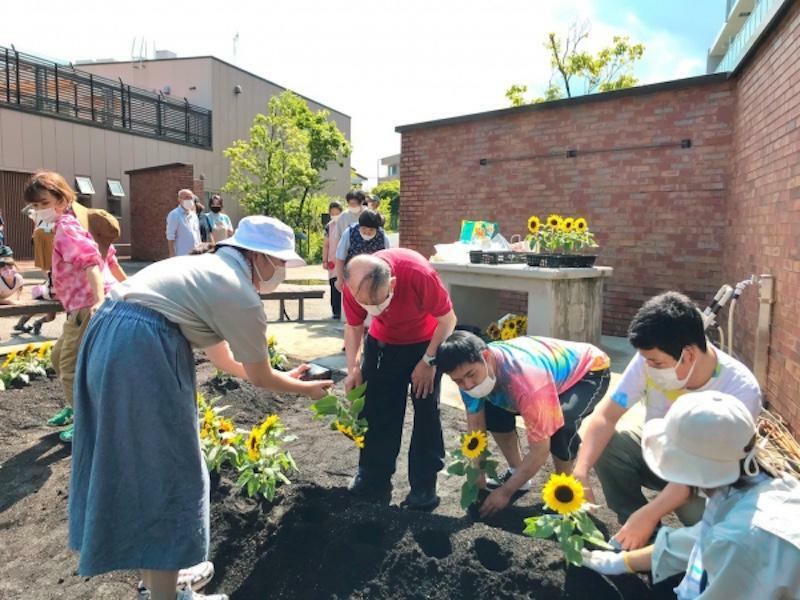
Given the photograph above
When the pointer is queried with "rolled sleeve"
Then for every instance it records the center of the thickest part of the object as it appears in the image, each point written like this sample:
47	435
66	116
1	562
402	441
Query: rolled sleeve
172	227
672	550
343	247
353	311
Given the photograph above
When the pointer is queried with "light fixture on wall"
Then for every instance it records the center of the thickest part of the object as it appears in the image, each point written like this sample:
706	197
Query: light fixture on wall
237	89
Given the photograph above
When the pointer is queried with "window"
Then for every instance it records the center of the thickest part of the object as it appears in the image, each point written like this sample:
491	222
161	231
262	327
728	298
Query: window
84	185
115	188
114	207
392	170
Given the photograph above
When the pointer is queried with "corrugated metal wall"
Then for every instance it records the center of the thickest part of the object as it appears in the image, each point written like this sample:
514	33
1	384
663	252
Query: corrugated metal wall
18	226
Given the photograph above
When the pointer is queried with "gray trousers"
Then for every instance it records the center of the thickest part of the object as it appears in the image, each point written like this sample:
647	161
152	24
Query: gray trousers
623	473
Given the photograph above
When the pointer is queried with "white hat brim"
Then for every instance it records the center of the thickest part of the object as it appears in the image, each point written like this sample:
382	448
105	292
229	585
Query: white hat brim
291	257
675	465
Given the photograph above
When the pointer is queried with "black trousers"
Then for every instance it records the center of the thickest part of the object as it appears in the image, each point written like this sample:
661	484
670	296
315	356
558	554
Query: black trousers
387	370
336	299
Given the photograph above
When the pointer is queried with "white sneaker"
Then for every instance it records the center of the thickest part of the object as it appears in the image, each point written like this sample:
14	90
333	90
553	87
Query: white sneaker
189	594
493	484
195	577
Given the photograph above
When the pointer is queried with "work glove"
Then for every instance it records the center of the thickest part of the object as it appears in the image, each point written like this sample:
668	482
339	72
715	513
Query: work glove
605	562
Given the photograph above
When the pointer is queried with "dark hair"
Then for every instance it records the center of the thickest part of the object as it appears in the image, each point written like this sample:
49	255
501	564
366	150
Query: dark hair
376	278
355	195
369	218
335	204
668	322
199	206
460	348
214	198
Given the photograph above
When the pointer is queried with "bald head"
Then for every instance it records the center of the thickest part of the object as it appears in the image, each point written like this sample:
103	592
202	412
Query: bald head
369	278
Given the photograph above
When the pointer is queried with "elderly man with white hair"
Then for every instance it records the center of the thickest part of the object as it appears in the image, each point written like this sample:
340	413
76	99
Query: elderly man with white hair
183	226
411	315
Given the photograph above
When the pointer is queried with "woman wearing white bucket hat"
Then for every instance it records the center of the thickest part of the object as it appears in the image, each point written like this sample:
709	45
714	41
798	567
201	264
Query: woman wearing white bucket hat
748	542
139	489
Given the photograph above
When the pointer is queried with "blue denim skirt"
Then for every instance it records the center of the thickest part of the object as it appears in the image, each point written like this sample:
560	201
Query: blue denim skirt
139	486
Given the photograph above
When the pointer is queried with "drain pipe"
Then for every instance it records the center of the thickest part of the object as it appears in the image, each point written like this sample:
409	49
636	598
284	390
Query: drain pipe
765	301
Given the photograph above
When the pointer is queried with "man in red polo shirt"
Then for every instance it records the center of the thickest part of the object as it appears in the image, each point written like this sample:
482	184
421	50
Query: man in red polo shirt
411	315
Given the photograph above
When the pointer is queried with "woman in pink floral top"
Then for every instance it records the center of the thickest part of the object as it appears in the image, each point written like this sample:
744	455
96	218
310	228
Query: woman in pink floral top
77	272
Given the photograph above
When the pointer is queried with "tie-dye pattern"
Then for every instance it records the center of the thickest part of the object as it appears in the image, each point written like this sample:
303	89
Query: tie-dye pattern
531	373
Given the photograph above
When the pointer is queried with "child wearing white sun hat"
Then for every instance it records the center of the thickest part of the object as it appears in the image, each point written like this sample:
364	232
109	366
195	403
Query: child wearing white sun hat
748	542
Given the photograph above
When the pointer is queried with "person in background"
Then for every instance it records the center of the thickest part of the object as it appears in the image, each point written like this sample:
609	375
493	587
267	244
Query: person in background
328	258
364	237
748	542
673	357
221	226
11	281
183	226
552	384
411	315
77	277
355	204
204	223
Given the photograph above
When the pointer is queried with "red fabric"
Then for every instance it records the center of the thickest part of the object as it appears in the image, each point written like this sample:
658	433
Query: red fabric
419	298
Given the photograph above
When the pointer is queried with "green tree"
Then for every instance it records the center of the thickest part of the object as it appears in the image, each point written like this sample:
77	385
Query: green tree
389	194
282	166
610	69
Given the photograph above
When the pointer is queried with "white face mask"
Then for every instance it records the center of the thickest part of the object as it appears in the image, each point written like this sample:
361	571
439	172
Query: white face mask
485	387
46	215
376	309
188	205
367	238
667	378
354	209
266	286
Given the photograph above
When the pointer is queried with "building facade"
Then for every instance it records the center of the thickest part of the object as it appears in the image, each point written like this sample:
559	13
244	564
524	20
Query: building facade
390	168
97	121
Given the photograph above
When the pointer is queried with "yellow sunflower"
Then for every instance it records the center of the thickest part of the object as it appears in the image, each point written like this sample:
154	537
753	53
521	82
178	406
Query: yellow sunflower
493	331
268	424
359	440
508	334
533	224
43	349
567	224
225	426
563	494
554	221
253	444
473	444
204	432
9	359
581	225
272	341
522	325
29	348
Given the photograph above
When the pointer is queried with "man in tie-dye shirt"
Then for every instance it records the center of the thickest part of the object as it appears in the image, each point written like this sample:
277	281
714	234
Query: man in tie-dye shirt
552	384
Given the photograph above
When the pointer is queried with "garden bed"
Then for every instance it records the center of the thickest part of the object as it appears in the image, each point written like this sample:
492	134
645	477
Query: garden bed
313	541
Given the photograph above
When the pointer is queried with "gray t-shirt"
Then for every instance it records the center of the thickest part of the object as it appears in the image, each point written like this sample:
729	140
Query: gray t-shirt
211	298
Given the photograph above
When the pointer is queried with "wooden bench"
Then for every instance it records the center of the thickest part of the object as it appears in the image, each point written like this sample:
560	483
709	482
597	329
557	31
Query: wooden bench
282	294
301	293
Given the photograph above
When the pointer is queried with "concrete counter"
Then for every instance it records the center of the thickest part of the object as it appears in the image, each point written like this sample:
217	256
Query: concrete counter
562	303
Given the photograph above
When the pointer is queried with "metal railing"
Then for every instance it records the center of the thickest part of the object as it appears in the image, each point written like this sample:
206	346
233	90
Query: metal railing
62	91
744	38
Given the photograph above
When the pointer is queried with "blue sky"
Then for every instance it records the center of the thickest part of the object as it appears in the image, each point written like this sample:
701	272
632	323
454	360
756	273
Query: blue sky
384	62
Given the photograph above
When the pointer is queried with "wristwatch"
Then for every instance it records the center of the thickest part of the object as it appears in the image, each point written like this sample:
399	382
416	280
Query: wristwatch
429	360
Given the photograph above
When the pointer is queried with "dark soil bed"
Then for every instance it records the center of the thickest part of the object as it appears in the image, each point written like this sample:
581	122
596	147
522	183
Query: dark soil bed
314	541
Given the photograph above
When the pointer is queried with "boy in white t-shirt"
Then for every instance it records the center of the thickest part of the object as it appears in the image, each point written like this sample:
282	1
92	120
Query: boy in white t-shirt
673	357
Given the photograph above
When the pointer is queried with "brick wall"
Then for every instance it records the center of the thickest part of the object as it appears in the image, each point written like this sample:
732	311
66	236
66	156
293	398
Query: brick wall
658	213
153	194
763	233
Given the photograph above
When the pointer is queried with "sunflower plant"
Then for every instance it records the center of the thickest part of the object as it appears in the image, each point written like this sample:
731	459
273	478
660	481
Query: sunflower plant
345	413
263	464
470	460
220	442
19	367
572	525
277	359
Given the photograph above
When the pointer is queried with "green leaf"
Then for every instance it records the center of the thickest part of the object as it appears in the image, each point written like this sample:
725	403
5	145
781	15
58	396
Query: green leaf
356	392
538	527
326	406
469	494
357	406
457	468
572	549
564	529
490	467
472	474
